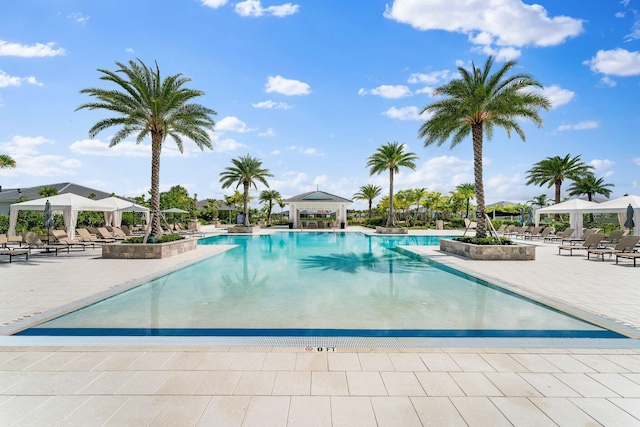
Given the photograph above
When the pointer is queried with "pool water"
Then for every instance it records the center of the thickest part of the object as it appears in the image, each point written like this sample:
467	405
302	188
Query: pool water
318	283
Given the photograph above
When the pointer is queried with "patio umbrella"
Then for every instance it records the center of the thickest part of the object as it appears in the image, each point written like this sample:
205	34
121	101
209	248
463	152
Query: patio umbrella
48	218
629	222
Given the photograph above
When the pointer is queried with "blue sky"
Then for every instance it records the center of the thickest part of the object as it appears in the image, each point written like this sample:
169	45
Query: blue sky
313	87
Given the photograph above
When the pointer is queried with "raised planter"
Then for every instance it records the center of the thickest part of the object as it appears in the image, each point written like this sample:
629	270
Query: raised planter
245	230
392	230
148	250
489	252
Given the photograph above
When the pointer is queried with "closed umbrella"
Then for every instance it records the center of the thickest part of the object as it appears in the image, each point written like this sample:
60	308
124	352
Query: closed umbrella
629	223
48	218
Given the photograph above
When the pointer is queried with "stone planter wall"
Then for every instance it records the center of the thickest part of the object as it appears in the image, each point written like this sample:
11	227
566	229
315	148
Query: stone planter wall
246	230
489	252
391	230
149	250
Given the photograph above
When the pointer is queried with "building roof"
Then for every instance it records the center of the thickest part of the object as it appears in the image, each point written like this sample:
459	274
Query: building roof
12	195
318	196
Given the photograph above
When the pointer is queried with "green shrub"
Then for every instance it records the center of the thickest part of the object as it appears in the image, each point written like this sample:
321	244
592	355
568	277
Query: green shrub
484	240
375	222
164	239
456	223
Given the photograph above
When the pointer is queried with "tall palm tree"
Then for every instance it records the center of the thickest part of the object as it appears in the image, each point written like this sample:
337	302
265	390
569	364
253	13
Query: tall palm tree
554	170
391	157
466	191
7	162
540	200
246	170
368	192
475	104
269	197
145	104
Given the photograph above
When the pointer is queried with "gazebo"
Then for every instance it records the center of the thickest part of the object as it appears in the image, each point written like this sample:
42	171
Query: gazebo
316	201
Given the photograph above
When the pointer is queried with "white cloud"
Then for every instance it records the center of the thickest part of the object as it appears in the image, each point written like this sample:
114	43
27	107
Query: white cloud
232	123
557	95
285	86
501	54
254	8
213	3
29	161
275	152
636	160
431	78
608	81
601	165
405	113
271	104
635	29
95	147
387	91
79	17
268	132
505	23
130	50
222	145
617	62
6	80
25	51
588	124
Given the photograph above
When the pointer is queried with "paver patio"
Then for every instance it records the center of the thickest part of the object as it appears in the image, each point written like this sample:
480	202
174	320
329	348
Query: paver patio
84	381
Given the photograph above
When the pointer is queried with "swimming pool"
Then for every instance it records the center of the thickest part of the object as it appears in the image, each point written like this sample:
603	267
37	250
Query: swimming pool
318	284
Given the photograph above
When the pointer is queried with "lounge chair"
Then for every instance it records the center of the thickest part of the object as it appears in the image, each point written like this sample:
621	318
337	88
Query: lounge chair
103	233
85	236
11	252
591	242
528	232
582	238
559	236
613	238
117	232
517	231
34	242
625	244
61	237
541	235
628	255
500	231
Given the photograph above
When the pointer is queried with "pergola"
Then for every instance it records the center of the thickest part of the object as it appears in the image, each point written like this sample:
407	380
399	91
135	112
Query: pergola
316	201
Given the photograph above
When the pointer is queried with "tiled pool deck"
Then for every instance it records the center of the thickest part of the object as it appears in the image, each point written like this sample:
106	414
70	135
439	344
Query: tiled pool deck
474	382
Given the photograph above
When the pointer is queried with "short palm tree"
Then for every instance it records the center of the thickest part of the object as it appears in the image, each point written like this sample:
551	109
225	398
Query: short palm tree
391	157
466	191
540	201
475	104
368	192
590	186
554	170
145	105
246	170
48	191
7	162
269	197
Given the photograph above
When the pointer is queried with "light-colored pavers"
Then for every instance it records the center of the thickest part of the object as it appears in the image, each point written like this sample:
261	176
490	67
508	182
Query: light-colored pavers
482	384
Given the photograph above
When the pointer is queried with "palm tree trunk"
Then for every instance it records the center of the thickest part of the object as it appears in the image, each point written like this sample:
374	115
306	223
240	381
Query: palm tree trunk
476	131
390	218
245	208
370	203
156	149
557	198
269	213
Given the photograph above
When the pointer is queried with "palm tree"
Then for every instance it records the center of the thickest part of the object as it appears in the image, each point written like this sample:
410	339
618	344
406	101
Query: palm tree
148	105
269	197
7	162
48	191
246	170
476	103
589	185
368	192
554	170
540	200
390	157
466	191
